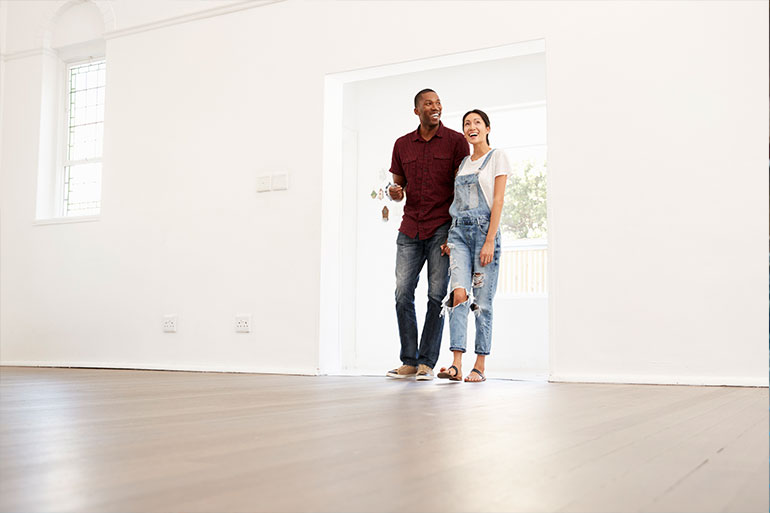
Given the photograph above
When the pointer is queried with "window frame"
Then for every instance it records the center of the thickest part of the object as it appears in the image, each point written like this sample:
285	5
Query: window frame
63	161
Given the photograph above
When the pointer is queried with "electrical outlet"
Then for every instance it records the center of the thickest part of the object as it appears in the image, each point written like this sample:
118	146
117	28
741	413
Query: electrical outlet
243	323
169	323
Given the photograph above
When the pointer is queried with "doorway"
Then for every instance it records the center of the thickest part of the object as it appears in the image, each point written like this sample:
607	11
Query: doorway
366	111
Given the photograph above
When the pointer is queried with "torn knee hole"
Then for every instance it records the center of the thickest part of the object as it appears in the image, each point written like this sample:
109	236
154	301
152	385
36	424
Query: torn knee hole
450	303
460	302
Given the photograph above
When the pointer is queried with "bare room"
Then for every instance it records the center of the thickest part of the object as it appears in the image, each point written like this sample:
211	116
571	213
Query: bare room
203	224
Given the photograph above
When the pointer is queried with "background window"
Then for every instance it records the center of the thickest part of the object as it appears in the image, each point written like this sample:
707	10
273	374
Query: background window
85	131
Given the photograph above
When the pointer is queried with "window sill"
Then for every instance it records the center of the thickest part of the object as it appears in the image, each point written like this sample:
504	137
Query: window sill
65	220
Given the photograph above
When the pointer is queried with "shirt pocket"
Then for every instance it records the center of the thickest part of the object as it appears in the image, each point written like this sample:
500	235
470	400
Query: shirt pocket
409	165
443	174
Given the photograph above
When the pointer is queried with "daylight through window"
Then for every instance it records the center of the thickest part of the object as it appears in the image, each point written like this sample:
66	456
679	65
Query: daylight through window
85	131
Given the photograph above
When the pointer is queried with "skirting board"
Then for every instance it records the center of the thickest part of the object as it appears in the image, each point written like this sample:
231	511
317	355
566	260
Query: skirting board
181	367
555	378
724	381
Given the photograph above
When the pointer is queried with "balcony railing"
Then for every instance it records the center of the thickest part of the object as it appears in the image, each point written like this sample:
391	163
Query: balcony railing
523	267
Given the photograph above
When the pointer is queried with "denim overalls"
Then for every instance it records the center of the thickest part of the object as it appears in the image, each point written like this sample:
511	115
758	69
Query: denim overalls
467	233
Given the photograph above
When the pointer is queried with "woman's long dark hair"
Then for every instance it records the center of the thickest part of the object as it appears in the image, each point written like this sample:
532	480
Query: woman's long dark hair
484	117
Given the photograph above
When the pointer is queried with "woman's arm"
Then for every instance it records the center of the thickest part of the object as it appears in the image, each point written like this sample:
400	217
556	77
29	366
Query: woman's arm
488	250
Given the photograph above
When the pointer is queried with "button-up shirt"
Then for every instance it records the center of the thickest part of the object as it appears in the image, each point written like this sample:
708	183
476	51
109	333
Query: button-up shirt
429	168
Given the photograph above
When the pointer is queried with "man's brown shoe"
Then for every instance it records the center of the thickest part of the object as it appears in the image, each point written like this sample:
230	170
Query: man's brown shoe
405	371
424	373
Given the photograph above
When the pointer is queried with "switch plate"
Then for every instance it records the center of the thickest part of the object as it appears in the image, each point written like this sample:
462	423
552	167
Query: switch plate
263	183
280	182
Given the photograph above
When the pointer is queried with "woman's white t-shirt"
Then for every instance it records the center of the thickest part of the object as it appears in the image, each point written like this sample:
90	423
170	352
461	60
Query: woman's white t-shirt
497	166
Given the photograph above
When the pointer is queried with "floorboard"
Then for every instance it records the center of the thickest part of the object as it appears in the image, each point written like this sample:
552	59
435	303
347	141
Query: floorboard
149	441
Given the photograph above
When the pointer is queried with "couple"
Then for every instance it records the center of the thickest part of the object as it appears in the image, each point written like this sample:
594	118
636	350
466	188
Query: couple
451	218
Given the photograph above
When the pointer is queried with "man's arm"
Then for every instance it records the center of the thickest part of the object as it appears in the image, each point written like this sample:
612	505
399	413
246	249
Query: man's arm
396	192
462	149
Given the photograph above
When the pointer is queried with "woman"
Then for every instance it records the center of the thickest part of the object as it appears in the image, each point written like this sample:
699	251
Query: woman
474	245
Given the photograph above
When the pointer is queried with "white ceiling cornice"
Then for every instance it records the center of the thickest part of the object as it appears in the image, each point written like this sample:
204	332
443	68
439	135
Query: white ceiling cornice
200	15
145	27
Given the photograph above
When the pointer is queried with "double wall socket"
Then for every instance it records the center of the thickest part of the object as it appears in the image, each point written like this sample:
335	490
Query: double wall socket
170	323
243	323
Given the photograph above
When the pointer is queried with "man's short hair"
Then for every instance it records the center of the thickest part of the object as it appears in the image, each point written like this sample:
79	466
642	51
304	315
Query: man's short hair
419	95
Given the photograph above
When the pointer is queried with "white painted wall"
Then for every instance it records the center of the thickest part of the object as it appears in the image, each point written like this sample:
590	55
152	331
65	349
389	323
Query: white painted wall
80	22
32	20
3	17
656	134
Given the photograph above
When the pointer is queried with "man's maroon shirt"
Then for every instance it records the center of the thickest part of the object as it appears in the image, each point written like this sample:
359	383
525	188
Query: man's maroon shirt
429	168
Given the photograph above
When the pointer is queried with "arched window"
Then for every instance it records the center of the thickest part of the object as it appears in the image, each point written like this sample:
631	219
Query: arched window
72	115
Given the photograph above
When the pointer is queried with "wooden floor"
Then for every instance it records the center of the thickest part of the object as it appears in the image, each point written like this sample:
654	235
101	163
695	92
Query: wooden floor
141	441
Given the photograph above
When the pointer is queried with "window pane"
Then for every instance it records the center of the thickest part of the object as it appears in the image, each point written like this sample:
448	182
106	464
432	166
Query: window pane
82	189
72	154
79	117
99	138
80	81
80	99
83	141
91	114
93	79
91	96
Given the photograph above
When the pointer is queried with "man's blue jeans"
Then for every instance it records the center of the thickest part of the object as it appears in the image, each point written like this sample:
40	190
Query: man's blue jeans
411	255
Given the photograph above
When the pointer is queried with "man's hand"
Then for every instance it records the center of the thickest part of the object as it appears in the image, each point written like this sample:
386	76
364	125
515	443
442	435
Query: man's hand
445	249
396	192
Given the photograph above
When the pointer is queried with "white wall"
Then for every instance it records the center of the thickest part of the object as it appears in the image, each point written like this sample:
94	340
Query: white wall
656	135
76	24
3	16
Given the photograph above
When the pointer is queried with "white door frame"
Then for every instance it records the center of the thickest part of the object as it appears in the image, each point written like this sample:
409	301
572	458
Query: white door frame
338	220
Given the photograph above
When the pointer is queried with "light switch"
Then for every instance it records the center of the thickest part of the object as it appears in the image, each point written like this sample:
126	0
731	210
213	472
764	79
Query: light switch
263	183
280	182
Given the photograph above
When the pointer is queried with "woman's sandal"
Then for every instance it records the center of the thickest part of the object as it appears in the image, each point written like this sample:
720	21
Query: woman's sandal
445	374
483	378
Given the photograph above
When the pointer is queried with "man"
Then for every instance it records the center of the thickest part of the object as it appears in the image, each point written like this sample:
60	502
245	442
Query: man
423	167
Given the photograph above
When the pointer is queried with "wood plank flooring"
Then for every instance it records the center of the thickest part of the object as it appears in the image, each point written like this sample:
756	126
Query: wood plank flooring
146	441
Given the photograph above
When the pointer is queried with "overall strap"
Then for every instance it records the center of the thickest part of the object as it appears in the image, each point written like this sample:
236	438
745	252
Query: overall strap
486	159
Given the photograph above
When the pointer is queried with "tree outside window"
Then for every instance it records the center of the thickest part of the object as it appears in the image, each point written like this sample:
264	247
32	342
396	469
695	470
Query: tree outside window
524	210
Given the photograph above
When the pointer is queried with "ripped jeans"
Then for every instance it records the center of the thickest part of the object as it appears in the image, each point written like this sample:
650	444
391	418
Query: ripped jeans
466	237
